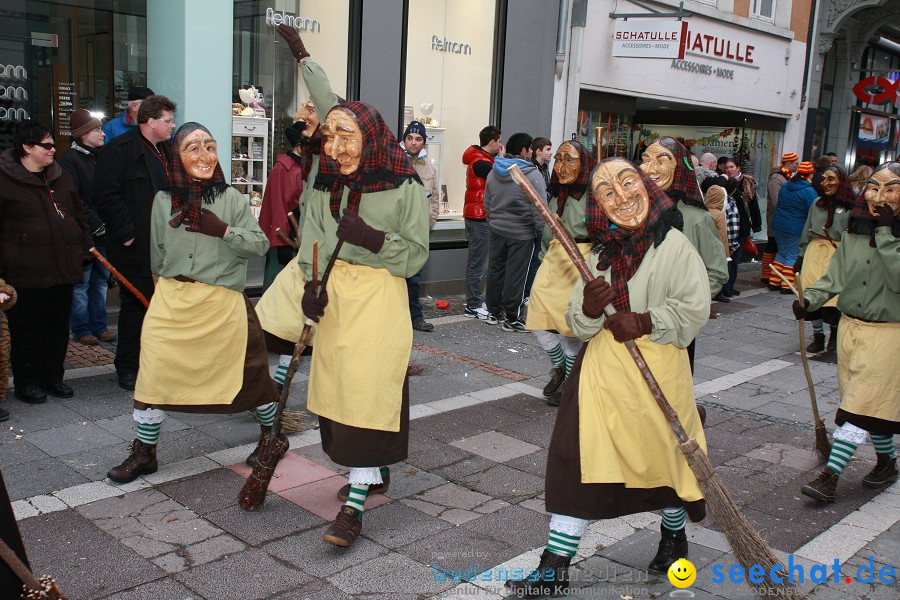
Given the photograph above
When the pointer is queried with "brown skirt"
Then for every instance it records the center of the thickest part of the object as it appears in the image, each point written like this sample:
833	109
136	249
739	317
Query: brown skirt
567	495
257	387
277	345
358	447
870	424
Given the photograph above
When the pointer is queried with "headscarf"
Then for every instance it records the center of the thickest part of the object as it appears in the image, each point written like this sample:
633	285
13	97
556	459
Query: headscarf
844	197
382	165
622	250
576	189
188	193
862	221
684	182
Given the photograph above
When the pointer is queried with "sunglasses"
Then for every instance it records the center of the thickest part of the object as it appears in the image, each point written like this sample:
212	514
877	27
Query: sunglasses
46	145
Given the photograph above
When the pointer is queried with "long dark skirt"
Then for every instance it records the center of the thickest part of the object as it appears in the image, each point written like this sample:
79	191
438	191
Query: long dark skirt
566	495
870	424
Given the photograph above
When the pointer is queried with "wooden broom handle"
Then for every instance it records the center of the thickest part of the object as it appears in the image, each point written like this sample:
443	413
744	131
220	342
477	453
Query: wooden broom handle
128	285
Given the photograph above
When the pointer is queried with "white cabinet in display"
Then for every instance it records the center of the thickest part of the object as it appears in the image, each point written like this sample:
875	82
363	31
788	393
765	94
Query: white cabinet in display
249	158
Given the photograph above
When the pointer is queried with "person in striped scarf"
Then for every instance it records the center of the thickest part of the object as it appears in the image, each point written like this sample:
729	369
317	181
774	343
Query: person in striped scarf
777	178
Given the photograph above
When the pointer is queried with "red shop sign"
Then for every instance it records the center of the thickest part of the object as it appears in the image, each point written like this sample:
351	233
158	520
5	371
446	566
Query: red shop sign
877	90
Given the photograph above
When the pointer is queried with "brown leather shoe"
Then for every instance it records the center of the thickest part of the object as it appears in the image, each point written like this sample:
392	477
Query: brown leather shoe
831	346
557	379
822	488
884	473
107	336
549	579
265	435
345	528
377	488
141	461
88	340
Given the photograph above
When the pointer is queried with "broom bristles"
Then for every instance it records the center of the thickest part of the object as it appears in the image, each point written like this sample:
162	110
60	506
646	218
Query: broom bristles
823	446
253	494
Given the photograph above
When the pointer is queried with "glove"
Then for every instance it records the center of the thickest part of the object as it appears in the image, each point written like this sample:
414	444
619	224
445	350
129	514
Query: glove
295	44
210	224
798	266
799	311
284	254
353	229
597	294
884	216
628	325
313	306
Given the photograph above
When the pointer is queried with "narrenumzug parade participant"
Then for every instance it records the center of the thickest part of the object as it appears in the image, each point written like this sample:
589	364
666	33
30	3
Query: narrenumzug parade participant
279	308
795	199
202	349
666	163
612	452
865	271
368	195
826	222
557	274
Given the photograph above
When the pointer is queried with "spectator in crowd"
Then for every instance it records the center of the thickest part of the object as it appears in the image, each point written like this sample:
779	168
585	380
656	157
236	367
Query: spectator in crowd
732	227
794	201
720	165
128	120
479	160
859	177
7	301
715	202
514	223
834	158
88	319
44	241
541	153
751	220
777	178
821	164
130	170
413	144
706	168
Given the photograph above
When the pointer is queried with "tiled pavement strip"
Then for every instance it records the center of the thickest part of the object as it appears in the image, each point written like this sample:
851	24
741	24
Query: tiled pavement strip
470	491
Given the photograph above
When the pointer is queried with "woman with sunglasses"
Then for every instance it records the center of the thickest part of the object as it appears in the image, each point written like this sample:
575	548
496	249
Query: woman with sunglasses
44	241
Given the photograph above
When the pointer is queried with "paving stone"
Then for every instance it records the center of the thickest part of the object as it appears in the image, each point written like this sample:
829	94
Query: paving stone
187	443
292	471
35	417
275	519
427	453
308	552
453	496
506	483
406	576
397	524
320	497
319	589
206	492
15	452
233	432
536	431
123	426
515	525
96	463
39	477
318	456
244	576
407	480
156	590
474	420
193	555
459	549
465	467
535	463
495	446
72	438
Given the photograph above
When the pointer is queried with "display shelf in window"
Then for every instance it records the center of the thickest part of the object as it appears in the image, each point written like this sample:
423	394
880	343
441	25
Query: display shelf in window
249	158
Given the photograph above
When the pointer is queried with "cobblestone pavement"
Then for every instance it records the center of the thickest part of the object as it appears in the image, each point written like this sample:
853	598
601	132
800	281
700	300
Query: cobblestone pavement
467	504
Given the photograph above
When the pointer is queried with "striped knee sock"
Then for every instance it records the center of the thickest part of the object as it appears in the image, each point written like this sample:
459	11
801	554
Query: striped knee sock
265	414
773	278
556	356
148	433
357	497
384	472
884	444
818	327
570	362
284	361
841	453
147	423
562	544
673	519
767	259
788	272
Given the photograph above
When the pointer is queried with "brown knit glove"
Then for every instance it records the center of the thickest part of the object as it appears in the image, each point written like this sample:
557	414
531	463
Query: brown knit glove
295	44
351	228
313	306
628	325
210	224
884	216
597	295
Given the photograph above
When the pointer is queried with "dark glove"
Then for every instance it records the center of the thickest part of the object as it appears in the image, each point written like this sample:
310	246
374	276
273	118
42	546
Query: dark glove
284	254
597	294
798	266
353	229
210	224
628	325
799	311
884	216
313	306
295	44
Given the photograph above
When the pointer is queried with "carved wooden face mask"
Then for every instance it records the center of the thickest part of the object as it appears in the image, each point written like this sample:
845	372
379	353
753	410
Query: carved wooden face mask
199	155
567	163
619	190
883	187
343	140
307	113
830	182
659	165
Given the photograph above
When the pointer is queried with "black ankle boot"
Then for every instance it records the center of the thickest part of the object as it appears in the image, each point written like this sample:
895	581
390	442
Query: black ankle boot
672	546
550	578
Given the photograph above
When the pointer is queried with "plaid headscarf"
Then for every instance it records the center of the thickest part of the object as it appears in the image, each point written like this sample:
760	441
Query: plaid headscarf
862	222
622	250
844	197
382	165
576	189
188	193
684	183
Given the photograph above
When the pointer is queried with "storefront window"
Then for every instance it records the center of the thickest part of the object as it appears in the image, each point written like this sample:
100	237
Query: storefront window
449	58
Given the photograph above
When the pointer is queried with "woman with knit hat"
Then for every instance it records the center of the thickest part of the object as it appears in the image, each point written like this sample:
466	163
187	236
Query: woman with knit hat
202	349
612	452
794	201
825	225
557	274
777	178
367	195
865	273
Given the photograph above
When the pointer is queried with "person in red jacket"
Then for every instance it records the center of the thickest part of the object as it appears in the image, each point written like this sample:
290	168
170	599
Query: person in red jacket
479	161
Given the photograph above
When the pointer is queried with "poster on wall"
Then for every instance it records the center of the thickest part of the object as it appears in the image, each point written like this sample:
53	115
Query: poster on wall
874	129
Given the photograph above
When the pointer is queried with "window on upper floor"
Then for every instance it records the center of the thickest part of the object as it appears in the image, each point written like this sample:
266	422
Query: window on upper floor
710	2
764	10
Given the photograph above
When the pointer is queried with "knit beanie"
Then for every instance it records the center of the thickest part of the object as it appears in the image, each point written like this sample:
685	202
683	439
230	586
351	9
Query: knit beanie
294	133
789	157
415	127
805	168
81	122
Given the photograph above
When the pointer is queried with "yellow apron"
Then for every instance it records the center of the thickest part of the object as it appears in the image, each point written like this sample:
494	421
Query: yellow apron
552	287
868	378
363	344
623	435
815	263
193	345
279	309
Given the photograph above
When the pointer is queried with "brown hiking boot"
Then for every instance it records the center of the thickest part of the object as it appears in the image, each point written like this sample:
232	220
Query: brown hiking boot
375	488
672	546
823	487
141	461
345	528
548	579
557	378
832	340
818	343
266	433
884	473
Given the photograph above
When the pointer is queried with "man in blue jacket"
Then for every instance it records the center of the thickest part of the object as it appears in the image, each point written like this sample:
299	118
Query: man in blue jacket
794	200
128	119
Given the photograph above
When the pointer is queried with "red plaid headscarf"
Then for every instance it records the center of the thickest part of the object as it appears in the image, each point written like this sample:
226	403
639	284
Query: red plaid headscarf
382	165
862	222
622	250
576	189
844	197
684	183
188	193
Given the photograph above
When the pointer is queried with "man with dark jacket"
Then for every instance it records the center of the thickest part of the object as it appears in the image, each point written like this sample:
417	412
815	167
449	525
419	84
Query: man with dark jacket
130	170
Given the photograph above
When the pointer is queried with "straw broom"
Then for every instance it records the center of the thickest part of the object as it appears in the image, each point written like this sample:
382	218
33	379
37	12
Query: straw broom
33	588
749	548
823	446
253	494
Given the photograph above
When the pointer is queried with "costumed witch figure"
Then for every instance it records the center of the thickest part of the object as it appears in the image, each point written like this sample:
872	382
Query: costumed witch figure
825	224
865	271
202	349
557	274
612	451
368	195
666	163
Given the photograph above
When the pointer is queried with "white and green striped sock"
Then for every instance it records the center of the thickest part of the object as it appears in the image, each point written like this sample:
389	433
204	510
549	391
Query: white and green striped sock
818	327
841	453
284	361
570	362
674	519
148	433
565	534
356	498
556	356
884	444
265	414
147	423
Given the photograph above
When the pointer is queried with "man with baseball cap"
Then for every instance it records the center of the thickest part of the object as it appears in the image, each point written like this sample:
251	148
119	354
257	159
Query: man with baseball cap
128	119
777	178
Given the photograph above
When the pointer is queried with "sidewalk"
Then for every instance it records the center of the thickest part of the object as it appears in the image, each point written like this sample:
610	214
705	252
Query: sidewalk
470	493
